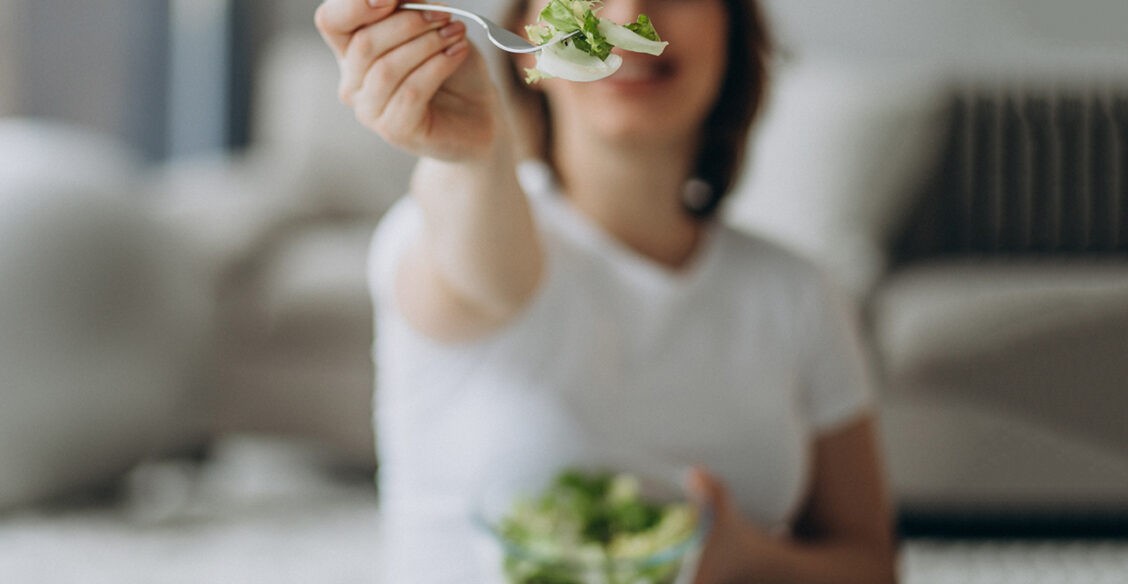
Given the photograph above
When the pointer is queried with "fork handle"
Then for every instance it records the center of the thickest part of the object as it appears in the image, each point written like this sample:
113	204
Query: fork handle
441	8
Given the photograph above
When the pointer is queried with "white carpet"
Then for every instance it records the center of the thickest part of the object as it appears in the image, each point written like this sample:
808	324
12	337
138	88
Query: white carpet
1015	562
261	513
268	512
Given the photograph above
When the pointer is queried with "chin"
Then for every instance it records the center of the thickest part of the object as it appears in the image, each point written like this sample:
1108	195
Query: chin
637	131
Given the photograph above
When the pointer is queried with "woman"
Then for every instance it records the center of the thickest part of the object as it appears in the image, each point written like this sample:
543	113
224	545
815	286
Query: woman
594	299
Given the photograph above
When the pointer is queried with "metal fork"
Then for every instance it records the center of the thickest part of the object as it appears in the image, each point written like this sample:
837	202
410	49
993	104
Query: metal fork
501	37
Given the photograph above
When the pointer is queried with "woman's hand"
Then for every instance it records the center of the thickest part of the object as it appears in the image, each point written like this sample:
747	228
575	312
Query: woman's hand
733	541
412	77
843	535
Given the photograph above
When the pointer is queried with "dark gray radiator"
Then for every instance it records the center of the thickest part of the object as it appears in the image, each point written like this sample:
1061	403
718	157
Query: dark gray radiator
1028	171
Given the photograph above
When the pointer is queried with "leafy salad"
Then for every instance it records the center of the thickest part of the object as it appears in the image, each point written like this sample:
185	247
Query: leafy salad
586	55
595	527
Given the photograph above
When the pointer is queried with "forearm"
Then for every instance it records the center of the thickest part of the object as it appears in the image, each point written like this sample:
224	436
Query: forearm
791	561
480	244
415	80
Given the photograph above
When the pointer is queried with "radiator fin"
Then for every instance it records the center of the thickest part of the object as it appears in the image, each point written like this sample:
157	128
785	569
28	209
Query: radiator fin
1029	171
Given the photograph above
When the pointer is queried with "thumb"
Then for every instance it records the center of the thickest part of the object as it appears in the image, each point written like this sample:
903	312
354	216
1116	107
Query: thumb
338	20
708	491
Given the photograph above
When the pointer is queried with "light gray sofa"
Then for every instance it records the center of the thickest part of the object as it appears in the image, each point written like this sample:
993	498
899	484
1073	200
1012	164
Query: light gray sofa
101	327
1002	321
282	230
981	222
1003	377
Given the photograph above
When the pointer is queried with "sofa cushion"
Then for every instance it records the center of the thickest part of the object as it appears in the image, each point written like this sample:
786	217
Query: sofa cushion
297	342
946	454
99	327
835	163
318	276
226	209
933	315
314	140
1042	339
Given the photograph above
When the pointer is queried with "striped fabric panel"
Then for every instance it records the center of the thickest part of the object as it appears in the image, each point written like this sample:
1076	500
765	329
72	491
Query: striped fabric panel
1028	172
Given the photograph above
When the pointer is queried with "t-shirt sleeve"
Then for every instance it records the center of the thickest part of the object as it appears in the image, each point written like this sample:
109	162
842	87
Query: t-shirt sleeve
413	372
839	380
398	228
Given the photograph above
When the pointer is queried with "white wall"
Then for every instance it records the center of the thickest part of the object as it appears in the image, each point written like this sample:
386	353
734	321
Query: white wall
97	64
74	61
972	34
8	57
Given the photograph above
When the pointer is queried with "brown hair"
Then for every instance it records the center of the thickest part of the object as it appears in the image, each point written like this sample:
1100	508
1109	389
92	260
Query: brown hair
727	127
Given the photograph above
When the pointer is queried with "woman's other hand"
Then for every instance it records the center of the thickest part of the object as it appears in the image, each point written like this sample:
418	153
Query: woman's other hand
412	77
844	533
733	540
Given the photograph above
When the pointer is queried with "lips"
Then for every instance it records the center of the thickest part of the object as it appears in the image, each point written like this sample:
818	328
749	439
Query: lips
643	71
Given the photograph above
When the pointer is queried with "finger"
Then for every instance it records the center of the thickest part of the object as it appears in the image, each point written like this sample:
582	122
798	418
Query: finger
373	42
708	491
407	105
385	79
337	20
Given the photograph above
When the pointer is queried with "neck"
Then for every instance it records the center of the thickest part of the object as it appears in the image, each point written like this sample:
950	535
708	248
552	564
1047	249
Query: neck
633	192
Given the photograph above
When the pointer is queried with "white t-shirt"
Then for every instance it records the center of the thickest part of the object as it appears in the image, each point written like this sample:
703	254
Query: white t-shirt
735	362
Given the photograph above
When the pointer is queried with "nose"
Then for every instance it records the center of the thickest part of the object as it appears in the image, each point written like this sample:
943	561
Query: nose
622	11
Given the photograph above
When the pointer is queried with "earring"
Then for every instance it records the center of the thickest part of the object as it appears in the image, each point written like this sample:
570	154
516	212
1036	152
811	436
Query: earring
696	195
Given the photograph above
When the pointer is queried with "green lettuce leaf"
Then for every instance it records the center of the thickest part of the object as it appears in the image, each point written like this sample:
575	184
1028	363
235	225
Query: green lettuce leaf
592	36
643	27
563	14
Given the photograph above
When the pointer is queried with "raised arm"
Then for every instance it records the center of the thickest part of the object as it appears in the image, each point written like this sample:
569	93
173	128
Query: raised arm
414	79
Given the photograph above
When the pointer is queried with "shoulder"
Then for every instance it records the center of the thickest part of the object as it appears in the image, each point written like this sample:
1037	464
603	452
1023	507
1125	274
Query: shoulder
776	278
404	214
762	257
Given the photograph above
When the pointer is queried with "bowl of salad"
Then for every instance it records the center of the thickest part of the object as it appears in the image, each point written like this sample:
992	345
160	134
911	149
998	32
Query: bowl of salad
592	523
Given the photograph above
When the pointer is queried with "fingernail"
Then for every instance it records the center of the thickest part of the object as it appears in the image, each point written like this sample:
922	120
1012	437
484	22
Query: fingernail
693	481
457	47
376	3
451	29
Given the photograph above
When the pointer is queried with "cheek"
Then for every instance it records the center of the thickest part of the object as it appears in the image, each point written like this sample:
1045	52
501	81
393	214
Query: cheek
522	62
702	41
704	63
718	59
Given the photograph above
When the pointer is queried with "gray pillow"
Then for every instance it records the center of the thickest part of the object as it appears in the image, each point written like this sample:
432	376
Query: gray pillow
96	329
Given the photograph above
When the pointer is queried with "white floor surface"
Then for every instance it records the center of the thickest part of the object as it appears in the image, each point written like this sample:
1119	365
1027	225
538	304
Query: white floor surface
267	513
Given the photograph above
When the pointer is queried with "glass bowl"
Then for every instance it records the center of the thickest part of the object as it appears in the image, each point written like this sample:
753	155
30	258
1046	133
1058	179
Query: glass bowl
660	556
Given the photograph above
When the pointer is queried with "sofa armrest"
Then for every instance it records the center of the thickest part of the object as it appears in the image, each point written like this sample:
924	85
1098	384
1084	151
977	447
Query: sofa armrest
101	327
225	209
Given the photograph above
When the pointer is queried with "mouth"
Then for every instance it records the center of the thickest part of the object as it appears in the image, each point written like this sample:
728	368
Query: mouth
643	71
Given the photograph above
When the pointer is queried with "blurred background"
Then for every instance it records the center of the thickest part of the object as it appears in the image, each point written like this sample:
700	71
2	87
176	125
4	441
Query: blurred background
174	77
185	207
